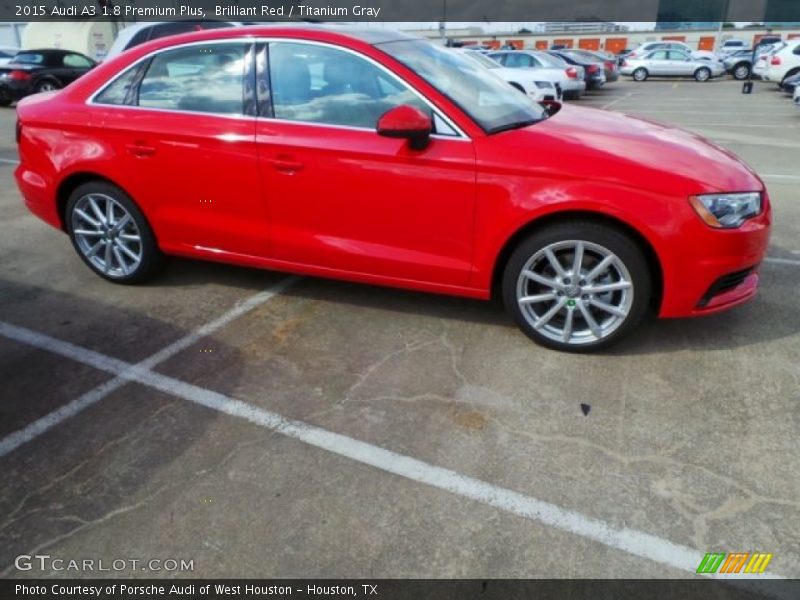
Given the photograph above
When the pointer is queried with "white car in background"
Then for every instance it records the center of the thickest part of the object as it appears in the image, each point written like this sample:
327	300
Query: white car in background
139	33
534	85
567	79
7	53
763	54
783	63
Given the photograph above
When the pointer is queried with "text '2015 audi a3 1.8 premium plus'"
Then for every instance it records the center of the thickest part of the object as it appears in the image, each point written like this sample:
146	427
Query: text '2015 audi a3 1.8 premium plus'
380	158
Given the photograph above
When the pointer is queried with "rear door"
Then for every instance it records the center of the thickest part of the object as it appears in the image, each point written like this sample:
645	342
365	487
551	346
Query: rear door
658	63
184	136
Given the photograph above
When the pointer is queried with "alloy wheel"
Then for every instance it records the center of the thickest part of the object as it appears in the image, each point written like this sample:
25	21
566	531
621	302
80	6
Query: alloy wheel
107	235
575	292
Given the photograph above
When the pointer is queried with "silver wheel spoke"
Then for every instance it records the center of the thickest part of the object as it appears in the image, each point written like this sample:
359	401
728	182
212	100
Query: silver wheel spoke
608	287
545	318
129	237
587	316
96	210
553	260
607	308
537	298
94	249
127	251
568	326
107	258
578	260
600	268
88	219
121	262
109	213
120	225
551	283
88	232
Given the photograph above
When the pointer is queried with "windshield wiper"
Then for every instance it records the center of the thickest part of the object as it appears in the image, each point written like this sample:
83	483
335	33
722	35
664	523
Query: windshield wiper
515	125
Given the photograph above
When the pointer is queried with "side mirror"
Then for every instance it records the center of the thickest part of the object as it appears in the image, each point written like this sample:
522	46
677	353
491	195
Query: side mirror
408	122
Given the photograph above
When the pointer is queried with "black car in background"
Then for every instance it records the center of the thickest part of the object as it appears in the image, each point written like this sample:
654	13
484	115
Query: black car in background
593	71
34	71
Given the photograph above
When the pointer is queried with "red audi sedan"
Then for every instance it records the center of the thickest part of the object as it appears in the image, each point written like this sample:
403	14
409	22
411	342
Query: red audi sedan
379	158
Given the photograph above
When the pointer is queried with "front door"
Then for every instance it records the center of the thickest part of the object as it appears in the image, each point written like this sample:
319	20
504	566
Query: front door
341	197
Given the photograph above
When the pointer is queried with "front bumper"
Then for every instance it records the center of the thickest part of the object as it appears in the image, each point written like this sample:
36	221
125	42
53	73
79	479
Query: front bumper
717	269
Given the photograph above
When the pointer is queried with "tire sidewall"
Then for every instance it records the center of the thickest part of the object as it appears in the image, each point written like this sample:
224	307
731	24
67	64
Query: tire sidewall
611	238
736	70
643	74
151	255
706	77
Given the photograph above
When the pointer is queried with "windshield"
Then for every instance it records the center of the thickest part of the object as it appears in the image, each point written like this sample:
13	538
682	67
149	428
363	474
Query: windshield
482	59
553	62
490	101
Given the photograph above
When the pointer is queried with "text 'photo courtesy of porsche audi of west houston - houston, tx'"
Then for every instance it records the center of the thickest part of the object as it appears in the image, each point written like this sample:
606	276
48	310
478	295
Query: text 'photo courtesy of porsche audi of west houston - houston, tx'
380	158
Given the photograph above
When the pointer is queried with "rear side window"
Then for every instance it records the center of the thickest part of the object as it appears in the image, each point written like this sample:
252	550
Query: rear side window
119	90
76	61
658	55
205	78
517	61
29	58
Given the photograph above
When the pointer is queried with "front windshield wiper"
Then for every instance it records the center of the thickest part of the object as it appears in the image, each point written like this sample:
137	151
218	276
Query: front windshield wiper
515	125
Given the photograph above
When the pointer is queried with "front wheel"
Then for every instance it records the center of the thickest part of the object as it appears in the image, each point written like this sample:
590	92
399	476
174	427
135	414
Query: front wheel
702	74
640	74
577	286
110	233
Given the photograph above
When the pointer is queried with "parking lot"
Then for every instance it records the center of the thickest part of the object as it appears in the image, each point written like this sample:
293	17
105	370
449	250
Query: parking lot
267	426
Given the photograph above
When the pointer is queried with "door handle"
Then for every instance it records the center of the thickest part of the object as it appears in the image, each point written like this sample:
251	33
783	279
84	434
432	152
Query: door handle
140	149
285	165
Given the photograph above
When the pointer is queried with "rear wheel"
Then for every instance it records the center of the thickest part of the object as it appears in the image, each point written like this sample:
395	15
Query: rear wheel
741	71
640	74
702	74
110	233
46	85
577	286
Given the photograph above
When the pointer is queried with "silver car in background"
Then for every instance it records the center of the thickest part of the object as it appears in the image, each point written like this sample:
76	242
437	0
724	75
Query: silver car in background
568	78
671	63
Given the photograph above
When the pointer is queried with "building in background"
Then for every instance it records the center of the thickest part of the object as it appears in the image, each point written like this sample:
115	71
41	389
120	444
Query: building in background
11	34
569	27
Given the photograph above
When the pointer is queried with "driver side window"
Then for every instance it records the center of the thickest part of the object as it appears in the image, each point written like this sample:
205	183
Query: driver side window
317	84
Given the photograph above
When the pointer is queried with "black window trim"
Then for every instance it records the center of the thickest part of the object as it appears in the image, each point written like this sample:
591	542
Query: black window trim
249	42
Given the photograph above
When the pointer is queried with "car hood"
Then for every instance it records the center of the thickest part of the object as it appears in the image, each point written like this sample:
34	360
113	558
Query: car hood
604	145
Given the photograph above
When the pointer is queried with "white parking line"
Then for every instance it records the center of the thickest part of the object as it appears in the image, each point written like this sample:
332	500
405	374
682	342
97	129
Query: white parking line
9	161
620	99
782	261
792	178
632	541
14	440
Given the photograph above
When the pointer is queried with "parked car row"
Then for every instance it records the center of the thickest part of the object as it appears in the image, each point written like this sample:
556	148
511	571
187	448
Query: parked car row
571	72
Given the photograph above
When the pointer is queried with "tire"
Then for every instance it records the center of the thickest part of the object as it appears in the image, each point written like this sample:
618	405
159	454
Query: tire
741	71
702	74
46	85
86	215
4	100
789	74
557	318
640	74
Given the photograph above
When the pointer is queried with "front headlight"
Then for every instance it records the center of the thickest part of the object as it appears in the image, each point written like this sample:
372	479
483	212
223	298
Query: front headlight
543	84
727	211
